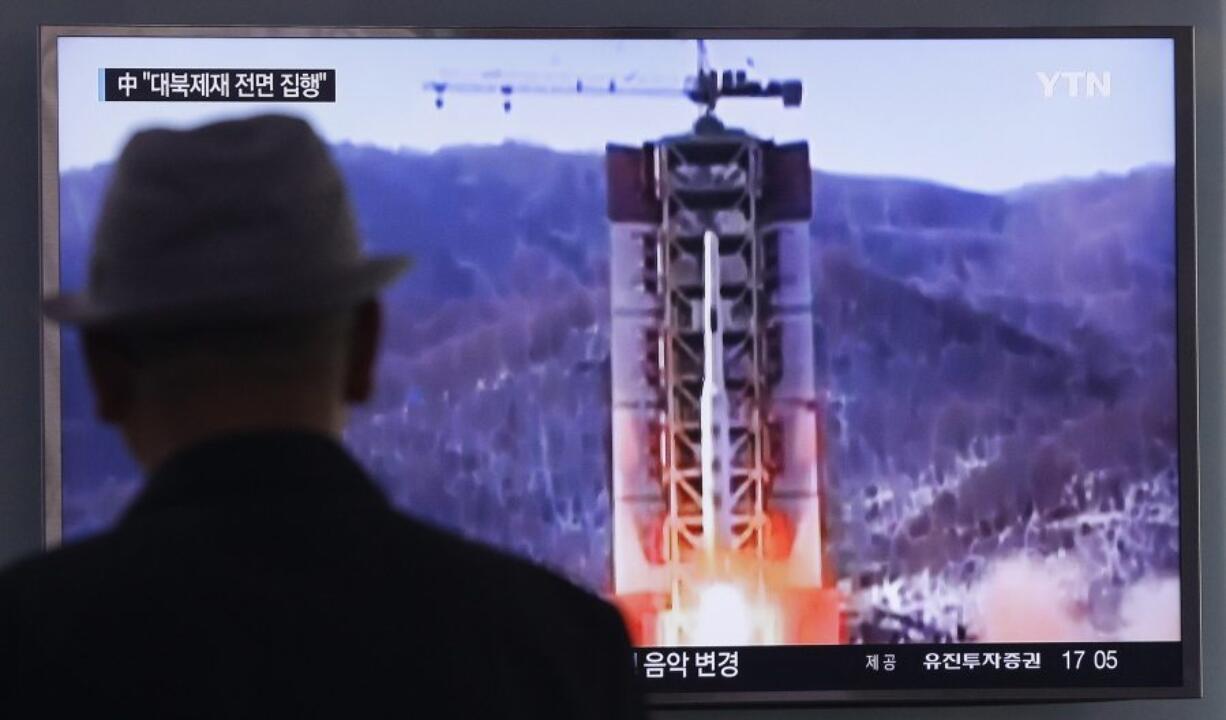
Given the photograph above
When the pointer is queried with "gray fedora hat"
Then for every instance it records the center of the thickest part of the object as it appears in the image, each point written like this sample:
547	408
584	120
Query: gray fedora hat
226	222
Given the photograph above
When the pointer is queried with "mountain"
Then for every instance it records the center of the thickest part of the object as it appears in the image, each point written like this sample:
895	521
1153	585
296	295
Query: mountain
998	370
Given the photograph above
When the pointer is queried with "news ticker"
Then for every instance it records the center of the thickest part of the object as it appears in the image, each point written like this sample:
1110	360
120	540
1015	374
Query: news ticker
905	667
216	85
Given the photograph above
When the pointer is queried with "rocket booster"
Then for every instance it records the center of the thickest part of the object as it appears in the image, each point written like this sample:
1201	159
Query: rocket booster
715	420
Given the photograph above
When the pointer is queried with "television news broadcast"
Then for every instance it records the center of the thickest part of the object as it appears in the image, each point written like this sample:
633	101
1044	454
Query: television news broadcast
845	367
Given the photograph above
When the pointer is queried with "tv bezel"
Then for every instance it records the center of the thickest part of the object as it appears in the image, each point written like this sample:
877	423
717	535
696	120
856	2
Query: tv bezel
1186	299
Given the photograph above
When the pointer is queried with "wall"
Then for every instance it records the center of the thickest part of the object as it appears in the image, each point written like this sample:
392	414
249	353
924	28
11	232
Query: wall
19	369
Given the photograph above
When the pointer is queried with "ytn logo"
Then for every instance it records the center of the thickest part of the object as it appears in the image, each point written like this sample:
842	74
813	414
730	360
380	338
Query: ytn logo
1078	84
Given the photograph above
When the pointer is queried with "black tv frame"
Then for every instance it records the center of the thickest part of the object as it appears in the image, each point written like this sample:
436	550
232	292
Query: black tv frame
1186	301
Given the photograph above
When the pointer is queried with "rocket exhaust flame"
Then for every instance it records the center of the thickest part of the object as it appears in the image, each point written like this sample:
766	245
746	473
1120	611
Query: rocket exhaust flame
722	616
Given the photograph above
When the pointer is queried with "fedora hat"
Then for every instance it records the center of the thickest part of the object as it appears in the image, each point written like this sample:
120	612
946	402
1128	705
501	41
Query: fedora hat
225	222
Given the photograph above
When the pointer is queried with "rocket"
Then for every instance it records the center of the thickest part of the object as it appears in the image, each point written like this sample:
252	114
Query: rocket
714	412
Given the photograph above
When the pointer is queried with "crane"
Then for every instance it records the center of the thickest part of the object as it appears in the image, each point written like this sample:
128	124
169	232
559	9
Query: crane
705	88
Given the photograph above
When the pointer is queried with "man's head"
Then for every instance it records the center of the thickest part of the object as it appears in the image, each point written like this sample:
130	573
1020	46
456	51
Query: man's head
166	389
227	288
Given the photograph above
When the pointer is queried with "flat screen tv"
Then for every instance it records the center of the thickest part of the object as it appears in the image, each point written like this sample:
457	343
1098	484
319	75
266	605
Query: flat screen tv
852	366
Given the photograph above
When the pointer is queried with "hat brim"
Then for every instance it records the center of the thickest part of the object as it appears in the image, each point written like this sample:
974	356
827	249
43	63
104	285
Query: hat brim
277	297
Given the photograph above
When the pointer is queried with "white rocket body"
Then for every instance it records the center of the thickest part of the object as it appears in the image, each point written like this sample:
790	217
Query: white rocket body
715	420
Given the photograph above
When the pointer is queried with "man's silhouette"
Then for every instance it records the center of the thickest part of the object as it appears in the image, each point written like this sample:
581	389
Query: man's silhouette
230	318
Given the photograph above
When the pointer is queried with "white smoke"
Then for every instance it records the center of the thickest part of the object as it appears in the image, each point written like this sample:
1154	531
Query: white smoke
1029	599
1025	599
1151	611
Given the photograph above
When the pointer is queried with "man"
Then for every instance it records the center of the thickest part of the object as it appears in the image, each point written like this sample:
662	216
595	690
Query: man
229	319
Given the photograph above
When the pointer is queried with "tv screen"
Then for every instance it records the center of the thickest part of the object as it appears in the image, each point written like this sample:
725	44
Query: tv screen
851	366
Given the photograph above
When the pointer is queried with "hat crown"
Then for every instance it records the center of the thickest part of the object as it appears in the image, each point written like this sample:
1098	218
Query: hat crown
228	203
222	223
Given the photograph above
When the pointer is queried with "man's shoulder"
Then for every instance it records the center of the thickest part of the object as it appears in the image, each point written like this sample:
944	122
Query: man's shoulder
398	583
493	575
62	564
541	619
405	552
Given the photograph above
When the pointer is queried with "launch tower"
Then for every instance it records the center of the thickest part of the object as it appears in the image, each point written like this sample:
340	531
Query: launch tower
717	459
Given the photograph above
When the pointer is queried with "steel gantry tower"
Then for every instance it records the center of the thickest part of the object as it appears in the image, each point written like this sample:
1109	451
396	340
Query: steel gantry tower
716	462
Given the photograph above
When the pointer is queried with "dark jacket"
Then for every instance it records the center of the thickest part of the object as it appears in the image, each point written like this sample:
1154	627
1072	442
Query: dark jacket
265	576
